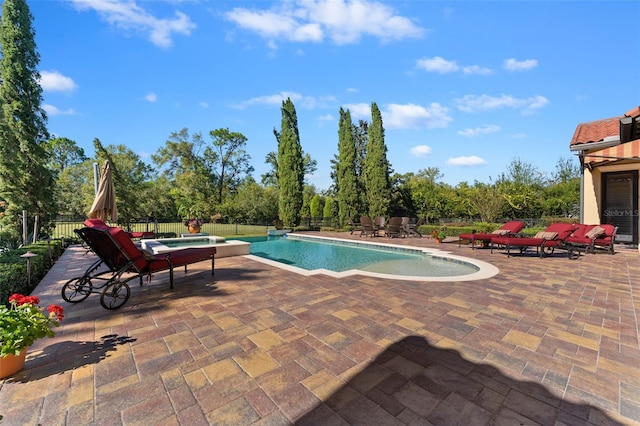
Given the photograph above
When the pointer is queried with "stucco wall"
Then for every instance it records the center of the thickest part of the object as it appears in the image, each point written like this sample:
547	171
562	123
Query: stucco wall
593	190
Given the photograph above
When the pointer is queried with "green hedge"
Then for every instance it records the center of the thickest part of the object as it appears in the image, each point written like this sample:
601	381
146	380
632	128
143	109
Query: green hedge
13	268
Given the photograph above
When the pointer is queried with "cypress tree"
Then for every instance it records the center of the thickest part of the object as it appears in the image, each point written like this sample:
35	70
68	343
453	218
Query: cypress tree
376	167
346	174
25	181
290	167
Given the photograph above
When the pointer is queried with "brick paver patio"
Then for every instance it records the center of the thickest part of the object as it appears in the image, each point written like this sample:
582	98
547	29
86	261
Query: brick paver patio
547	341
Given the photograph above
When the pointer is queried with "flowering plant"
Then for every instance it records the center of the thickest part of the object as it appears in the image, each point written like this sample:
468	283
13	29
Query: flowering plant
438	234
193	222
23	322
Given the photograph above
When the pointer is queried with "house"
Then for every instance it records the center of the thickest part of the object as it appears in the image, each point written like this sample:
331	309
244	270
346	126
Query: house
609	153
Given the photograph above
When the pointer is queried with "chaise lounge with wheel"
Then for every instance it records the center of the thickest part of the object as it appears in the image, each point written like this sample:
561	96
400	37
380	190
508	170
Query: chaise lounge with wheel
545	242
509	229
590	237
120	261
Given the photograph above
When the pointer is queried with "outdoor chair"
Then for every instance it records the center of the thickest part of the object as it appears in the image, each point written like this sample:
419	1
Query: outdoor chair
379	223
545	241
411	229
120	261
591	237
367	227
394	228
509	229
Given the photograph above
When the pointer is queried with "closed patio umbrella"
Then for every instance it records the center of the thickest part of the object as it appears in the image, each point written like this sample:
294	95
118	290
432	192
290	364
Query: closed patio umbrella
105	202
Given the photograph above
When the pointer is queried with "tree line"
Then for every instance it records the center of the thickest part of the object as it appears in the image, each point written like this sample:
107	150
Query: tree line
210	175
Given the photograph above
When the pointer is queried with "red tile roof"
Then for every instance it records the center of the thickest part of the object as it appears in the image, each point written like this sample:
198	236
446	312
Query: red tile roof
596	131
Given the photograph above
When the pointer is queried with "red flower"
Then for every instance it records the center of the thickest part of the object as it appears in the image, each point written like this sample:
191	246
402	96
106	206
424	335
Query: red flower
56	311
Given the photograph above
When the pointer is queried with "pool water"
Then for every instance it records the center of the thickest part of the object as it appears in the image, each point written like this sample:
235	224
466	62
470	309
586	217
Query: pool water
311	254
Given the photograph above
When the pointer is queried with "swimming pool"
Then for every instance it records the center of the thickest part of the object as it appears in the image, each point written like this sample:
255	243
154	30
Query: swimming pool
310	255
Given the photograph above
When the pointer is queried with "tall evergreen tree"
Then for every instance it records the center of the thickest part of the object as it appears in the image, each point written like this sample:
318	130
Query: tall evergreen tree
346	176
376	167
290	167
25	181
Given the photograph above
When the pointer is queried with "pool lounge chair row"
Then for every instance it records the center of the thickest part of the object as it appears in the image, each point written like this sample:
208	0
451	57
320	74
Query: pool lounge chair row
571	237
395	227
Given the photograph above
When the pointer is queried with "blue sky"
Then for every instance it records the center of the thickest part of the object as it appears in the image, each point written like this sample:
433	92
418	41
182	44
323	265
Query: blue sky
465	86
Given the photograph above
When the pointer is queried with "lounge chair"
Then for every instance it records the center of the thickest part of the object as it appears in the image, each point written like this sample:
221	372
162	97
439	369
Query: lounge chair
411	229
545	241
367	227
94	222
118	255
355	226
591	236
379	223
509	229
394	228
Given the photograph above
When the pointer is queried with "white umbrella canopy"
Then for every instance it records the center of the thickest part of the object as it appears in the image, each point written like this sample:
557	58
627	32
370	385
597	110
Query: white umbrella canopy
104	204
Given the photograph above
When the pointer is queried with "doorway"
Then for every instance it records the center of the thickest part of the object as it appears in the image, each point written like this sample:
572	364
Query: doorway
620	204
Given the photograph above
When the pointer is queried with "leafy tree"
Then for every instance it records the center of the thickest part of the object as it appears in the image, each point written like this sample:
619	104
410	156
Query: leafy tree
75	185
401	202
131	179
346	172
270	178
72	172
486	201
290	167
181	162
562	193
63	153
25	181
316	205
228	160
376	167
521	187
425	193
328	210
252	204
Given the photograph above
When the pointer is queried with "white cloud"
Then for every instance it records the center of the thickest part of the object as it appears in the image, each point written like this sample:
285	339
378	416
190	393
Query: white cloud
307	102
476	69
444	66
151	97
420	151
437	64
129	17
52	110
473	103
405	116
515	65
519	135
326	117
203	104
411	116
483	130
359	111
472	160
54	81
341	21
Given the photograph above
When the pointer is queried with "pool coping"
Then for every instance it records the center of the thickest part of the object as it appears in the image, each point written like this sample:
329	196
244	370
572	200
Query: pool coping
485	269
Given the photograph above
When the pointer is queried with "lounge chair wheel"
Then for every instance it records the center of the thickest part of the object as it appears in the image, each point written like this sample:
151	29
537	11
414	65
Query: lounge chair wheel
573	253
548	250
115	295
76	289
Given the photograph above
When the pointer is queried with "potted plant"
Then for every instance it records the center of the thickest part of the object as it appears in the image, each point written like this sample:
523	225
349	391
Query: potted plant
194	225
22	322
438	235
